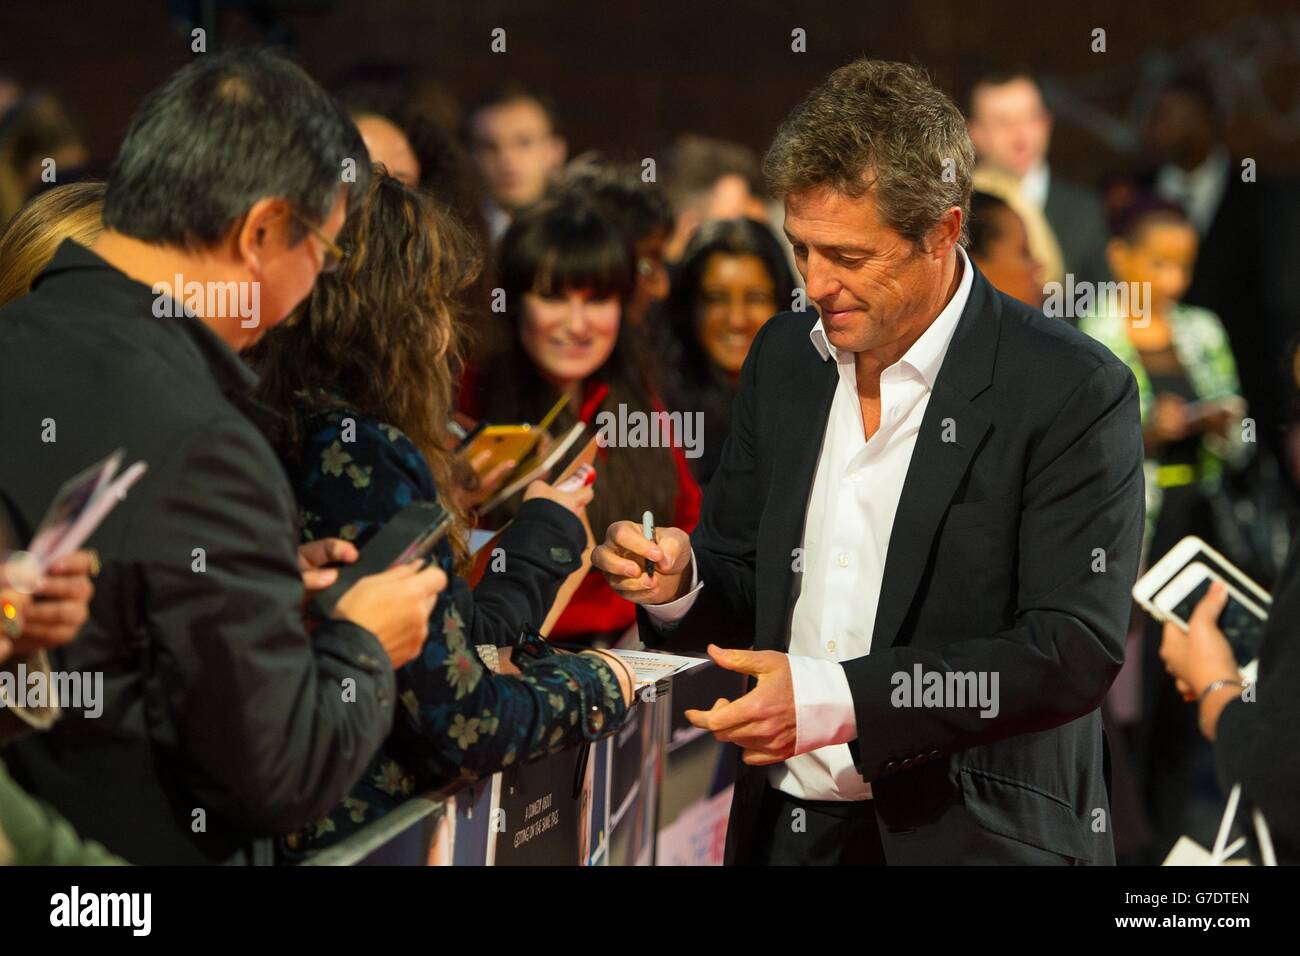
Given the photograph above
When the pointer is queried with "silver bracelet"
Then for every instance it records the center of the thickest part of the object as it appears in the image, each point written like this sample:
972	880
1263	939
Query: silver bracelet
1221	682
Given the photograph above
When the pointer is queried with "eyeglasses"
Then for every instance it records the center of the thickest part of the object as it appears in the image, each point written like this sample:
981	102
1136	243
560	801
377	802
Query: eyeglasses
335	255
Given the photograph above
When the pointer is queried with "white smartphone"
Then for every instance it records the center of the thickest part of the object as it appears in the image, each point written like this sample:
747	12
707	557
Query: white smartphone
1184	553
1242	620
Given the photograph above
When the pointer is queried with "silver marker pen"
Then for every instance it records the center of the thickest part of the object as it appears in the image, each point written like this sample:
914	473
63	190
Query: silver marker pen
648	529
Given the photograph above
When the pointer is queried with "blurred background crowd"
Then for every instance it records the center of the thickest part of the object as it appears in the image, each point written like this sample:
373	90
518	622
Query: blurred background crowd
617	169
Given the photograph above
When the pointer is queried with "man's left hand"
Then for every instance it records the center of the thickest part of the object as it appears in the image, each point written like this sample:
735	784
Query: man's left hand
761	722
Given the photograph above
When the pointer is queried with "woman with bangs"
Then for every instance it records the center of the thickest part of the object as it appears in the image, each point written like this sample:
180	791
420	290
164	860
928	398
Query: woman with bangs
363	373
732	278
568	277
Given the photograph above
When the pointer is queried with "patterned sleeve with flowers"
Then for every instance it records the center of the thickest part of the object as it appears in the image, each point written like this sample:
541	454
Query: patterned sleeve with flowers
1206	353
455	719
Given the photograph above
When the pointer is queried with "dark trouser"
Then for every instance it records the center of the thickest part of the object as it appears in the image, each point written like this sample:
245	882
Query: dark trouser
823	834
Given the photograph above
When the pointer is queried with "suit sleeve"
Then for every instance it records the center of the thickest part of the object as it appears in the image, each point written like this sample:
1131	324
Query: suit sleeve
543	545
725	540
259	707
1082	503
455	718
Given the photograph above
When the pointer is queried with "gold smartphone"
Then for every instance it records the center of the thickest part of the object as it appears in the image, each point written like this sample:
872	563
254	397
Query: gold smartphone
503	443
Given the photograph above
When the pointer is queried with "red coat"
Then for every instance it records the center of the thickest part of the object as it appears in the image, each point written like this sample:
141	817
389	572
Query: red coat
594	607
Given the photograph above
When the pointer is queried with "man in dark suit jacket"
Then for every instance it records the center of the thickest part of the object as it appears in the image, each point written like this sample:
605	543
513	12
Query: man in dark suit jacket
979	462
1011	128
223	720
1078	221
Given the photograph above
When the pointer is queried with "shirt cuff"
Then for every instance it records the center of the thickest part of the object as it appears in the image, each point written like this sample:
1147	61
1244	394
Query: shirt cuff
823	704
664	616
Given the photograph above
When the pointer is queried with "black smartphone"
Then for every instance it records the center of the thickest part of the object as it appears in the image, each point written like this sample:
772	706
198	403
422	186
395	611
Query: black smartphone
1241	620
410	535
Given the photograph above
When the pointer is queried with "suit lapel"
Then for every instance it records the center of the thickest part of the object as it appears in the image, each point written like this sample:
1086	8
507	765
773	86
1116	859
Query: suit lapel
951	431
811	392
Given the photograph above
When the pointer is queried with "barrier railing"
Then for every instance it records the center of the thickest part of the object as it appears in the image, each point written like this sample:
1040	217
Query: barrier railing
563	809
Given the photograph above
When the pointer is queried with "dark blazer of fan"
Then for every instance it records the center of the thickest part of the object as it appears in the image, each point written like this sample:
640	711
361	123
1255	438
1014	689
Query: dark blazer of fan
216	699
1013	550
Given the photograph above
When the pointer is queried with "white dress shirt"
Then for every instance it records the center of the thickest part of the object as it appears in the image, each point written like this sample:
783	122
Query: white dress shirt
1035	184
498	220
849	517
1200	190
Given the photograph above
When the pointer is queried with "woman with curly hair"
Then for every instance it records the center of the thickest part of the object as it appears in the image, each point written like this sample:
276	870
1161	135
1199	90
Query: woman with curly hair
363	371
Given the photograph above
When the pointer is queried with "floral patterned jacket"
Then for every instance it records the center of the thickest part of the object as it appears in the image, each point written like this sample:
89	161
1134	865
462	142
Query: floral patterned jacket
1201	344
455	719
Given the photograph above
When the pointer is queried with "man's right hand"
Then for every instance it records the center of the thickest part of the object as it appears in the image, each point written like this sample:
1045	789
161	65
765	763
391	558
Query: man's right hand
622	560
395	606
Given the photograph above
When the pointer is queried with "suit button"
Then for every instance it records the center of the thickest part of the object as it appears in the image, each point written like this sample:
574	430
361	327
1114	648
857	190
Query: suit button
907	762
933	754
561	555
890	765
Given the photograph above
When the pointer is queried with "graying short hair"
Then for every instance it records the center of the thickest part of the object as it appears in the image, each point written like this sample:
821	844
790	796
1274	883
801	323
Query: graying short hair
874	123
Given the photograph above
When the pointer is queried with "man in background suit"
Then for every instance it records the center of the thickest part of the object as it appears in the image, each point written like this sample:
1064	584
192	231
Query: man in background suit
1011	128
925	523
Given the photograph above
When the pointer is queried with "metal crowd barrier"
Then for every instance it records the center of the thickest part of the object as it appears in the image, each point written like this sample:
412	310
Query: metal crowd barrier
530	815
555	811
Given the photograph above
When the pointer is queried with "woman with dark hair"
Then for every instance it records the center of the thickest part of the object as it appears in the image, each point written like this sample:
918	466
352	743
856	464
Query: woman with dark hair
638	210
567	275
1182	361
363	371
732	278
999	247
